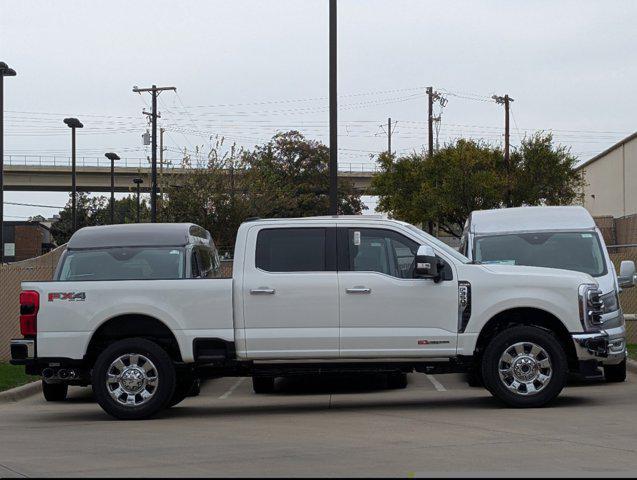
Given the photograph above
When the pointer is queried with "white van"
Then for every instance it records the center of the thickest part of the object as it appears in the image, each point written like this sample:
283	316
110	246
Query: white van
555	237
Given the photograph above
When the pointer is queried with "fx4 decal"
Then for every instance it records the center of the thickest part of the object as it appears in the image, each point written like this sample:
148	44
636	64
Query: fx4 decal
70	296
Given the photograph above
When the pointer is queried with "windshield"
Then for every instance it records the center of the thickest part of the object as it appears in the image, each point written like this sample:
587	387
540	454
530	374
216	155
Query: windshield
438	243
127	263
579	251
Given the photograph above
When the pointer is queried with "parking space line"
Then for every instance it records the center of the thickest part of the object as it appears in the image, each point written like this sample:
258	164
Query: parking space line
437	385
232	389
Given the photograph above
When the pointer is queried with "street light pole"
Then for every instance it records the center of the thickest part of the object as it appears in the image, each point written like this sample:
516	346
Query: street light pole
333	165
112	157
73	123
5	71
138	182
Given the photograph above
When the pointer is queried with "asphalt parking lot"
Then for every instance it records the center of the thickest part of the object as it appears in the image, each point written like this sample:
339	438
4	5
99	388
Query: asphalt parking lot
328	427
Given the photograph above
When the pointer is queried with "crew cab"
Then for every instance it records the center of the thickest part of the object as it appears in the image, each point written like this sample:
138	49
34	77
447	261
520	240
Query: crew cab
140	312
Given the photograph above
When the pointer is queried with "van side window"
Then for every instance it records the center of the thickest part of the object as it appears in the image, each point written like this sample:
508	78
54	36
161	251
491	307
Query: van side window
291	250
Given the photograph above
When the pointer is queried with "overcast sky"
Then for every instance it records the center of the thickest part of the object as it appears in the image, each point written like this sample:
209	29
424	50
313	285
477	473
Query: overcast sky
246	69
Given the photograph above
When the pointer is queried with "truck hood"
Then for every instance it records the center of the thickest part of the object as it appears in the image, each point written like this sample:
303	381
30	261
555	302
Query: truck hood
524	271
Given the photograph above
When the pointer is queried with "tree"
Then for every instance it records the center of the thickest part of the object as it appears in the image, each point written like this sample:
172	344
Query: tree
544	174
468	175
91	211
286	177
289	177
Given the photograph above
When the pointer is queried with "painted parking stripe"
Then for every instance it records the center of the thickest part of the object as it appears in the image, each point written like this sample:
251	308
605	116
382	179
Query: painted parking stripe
232	389
437	385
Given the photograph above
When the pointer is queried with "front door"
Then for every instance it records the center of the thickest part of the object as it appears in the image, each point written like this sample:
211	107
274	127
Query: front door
384	311
290	293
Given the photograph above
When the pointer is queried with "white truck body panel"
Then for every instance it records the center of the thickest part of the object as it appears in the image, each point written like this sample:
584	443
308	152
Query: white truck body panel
311	315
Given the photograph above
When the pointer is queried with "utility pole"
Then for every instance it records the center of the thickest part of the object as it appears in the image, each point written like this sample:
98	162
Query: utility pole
154	92
430	120
5	71
333	167
506	101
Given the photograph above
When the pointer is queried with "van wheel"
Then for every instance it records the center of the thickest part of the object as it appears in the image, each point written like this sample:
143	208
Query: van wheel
54	392
524	366
263	384
615	373
133	379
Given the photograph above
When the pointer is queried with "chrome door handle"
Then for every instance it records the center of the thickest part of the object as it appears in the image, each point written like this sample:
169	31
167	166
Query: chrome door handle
262	291
359	290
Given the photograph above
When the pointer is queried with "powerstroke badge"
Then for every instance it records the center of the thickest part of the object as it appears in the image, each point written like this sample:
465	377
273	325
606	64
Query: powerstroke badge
68	296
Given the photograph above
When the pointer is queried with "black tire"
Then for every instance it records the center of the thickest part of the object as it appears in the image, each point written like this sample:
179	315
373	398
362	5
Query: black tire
263	384
615	373
164	371
54	392
397	380
187	386
474	378
523	334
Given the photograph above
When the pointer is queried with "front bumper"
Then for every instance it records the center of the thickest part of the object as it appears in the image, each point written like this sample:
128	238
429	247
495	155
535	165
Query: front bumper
607	347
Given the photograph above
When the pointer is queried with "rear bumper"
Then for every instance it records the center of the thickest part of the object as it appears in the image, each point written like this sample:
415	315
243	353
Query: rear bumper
607	347
22	351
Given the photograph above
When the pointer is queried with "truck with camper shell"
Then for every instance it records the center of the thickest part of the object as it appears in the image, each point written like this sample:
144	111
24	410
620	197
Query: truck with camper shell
564	237
140	312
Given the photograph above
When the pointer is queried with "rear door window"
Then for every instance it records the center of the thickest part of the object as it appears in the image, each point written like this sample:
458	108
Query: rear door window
293	250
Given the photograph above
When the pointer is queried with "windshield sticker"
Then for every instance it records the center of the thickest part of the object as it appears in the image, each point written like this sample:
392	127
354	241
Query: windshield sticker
357	238
174	252
587	235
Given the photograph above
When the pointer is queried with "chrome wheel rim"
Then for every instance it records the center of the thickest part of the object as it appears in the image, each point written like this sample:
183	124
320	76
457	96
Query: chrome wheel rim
525	368
132	380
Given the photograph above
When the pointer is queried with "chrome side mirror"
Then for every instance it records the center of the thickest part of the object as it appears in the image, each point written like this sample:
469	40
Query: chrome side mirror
426	263
626	278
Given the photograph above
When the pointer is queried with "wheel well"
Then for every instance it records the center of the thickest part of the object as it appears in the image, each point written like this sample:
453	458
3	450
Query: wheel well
128	326
530	317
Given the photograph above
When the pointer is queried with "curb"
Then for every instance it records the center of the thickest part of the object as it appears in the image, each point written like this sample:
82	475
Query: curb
18	393
631	365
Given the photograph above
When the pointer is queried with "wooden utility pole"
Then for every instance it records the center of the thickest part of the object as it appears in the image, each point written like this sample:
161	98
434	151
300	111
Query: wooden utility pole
430	120
154	91
506	101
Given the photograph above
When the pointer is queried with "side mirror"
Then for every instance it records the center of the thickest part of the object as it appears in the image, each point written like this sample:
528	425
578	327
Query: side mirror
426	263
626	278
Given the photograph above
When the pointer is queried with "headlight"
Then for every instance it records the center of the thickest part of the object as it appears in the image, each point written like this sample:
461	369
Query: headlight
590	306
611	302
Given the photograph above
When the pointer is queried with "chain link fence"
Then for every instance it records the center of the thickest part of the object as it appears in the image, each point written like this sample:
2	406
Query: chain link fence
11	276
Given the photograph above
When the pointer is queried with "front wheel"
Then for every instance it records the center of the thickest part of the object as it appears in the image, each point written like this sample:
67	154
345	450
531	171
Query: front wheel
615	373
54	392
133	379
524	366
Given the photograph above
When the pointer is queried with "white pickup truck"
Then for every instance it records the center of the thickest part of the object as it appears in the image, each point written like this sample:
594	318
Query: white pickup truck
140	312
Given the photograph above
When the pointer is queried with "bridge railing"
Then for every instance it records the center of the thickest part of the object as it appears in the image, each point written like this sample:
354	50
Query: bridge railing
131	162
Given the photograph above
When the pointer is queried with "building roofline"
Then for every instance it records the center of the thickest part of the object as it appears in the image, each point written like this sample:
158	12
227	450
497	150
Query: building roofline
607	151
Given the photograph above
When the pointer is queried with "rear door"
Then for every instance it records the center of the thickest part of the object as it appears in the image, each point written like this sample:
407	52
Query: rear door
384	311
290	293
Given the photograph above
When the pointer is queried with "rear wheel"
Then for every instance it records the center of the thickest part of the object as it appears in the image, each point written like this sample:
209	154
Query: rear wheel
54	392
524	366
615	373
133	379
263	384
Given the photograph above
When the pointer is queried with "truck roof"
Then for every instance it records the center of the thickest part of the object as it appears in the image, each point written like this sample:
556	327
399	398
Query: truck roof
531	219
139	235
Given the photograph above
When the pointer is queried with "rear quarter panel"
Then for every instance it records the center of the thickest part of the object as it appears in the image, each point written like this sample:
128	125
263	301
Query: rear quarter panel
191	308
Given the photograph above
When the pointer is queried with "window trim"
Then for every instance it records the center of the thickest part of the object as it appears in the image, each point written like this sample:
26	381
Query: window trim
330	254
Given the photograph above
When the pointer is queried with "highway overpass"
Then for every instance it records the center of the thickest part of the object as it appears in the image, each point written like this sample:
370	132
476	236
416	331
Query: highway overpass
48	177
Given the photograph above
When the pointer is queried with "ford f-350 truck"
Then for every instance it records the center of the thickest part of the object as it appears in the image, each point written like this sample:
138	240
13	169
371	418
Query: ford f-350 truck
141	313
